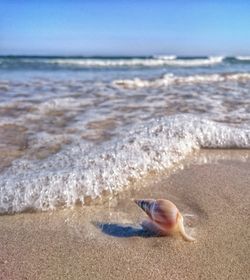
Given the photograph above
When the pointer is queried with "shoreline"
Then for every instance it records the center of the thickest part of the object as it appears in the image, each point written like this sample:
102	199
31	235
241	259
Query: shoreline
106	241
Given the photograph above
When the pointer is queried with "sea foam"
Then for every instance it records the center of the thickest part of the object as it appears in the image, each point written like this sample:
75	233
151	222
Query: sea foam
80	171
243	58
137	62
169	79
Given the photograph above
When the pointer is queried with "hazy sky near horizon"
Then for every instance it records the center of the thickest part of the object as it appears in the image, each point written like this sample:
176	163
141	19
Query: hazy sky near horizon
99	27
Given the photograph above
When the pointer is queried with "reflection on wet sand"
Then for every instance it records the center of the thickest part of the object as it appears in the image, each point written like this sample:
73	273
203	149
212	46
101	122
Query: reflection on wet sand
13	143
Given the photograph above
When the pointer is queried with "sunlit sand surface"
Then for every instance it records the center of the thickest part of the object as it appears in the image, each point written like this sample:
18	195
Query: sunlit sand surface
108	242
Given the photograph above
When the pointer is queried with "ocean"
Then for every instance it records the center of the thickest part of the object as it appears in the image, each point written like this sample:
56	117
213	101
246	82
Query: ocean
73	129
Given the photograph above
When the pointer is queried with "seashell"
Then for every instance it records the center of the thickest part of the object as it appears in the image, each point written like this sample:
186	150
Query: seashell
165	218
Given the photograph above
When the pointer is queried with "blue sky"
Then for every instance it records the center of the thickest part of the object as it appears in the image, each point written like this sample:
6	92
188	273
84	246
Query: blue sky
119	27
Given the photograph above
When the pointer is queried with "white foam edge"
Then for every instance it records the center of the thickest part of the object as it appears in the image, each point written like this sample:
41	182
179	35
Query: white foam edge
243	57
147	62
169	79
80	171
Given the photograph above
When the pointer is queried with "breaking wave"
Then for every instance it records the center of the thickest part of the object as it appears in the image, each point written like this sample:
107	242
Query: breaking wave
146	62
112	62
247	58
168	79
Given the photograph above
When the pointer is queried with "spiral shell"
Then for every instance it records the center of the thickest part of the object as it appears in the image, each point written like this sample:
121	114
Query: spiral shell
164	216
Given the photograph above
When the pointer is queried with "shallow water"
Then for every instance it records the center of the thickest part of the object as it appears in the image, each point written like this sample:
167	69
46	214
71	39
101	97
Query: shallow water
73	128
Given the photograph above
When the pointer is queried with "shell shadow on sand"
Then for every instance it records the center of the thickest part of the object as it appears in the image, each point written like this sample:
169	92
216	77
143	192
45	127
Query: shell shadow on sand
124	230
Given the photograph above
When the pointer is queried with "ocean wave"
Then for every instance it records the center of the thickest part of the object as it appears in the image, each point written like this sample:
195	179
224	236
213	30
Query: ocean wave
146	62
78	171
155	61
247	58
169	79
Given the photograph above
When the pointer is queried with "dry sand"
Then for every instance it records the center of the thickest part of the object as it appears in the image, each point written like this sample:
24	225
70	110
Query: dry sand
106	242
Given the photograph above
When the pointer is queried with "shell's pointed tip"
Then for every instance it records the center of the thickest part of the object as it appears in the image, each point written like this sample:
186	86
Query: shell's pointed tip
136	201
140	203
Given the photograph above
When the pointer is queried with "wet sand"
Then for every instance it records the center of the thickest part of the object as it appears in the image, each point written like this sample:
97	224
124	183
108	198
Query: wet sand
107	242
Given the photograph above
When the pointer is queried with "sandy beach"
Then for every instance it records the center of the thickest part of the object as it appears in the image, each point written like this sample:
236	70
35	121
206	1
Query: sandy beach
104	104
106	241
